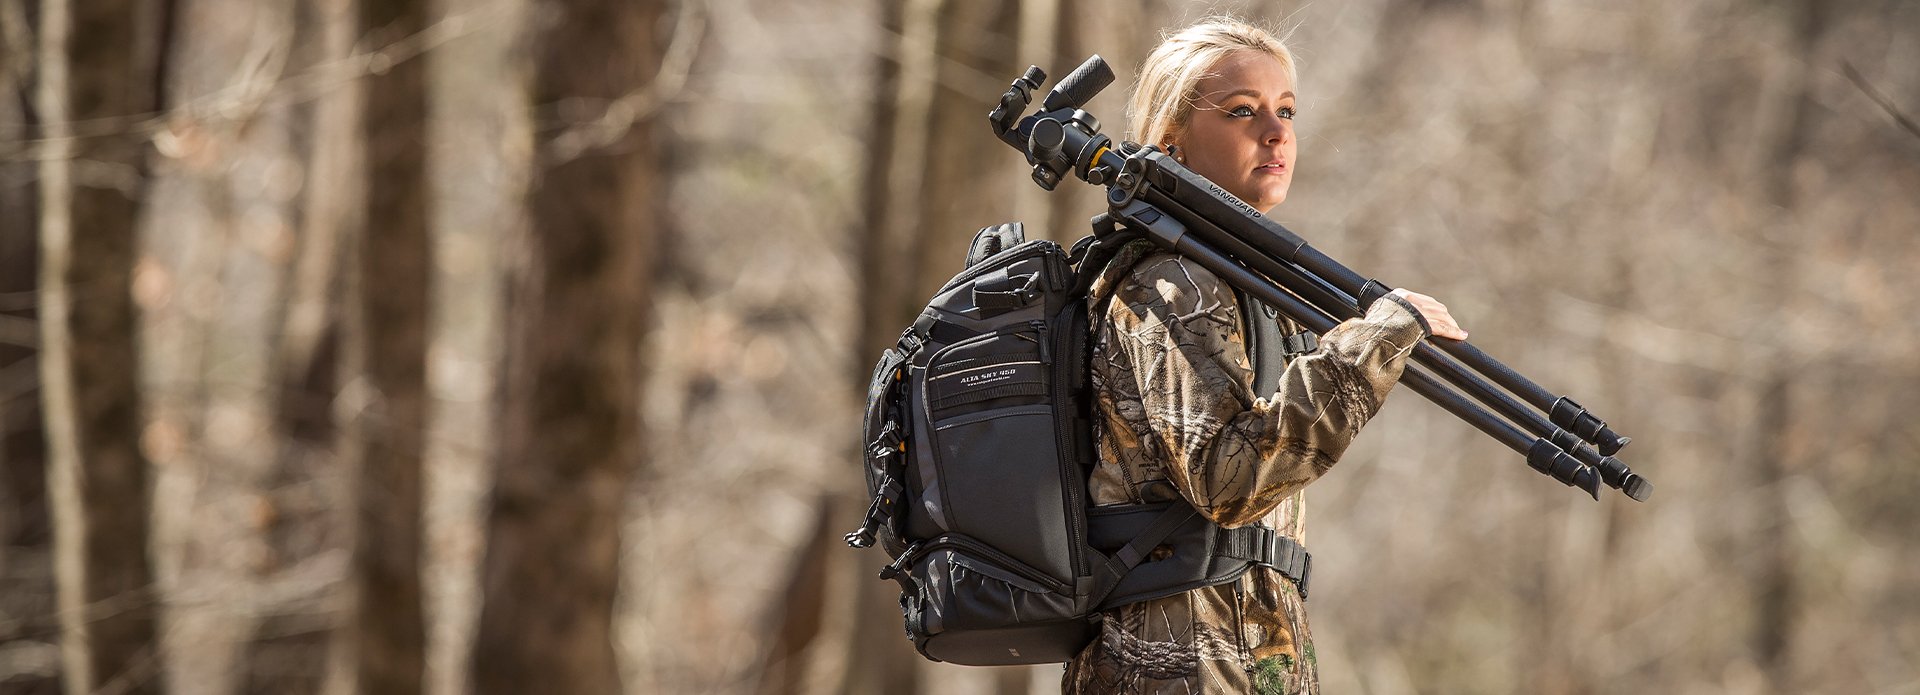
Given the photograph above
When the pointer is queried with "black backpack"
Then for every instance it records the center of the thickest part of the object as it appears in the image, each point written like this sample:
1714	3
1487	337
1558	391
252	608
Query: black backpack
979	444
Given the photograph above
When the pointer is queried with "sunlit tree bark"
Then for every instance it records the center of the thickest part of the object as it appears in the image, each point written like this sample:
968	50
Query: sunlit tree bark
97	61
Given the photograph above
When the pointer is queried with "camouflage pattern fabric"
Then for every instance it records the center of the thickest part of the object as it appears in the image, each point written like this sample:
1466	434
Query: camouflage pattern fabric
1178	419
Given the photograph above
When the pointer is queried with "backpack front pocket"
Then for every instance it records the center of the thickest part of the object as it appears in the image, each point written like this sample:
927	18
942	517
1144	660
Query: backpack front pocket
975	606
987	371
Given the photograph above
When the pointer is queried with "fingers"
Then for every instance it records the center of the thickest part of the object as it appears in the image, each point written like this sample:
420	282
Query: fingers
1436	314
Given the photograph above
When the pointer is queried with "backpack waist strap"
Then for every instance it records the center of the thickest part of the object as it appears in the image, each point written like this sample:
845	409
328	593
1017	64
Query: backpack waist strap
1264	546
1194	553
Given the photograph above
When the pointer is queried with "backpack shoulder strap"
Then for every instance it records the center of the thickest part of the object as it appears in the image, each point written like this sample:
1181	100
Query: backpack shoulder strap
1265	345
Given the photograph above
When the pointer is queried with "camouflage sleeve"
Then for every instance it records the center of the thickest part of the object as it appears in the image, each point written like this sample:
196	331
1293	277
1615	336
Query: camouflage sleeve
1234	454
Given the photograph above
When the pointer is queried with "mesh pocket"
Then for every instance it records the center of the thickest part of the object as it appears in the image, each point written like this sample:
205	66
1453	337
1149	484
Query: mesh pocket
977	607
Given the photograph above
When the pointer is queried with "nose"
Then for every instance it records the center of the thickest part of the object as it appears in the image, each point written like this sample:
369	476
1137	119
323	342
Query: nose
1279	130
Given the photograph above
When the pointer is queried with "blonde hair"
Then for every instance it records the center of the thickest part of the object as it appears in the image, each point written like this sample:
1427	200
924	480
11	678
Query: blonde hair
1163	98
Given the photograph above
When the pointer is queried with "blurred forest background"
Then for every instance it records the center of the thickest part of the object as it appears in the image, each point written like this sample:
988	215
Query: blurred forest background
497	346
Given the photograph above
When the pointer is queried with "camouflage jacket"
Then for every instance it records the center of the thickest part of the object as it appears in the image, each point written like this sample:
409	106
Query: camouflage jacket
1177	418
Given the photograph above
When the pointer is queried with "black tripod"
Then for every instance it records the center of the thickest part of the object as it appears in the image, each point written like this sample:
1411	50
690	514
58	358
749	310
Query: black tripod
1148	192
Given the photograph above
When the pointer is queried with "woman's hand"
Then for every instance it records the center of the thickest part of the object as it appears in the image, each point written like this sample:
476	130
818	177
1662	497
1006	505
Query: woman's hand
1435	313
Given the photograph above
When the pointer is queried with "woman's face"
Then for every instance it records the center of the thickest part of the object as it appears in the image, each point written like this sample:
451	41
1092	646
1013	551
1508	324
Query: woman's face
1241	132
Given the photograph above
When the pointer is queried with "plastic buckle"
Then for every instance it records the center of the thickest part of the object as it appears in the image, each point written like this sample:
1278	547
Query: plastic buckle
1299	344
878	512
910	342
1291	559
899	564
888	442
863	537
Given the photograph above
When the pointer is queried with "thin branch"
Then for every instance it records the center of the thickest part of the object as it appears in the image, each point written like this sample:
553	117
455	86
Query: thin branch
237	101
22	332
1846	66
19	301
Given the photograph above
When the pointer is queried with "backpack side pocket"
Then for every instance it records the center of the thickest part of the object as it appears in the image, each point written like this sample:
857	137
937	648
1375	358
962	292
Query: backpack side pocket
884	434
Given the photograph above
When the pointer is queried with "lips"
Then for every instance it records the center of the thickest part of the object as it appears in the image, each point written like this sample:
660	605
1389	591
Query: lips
1272	167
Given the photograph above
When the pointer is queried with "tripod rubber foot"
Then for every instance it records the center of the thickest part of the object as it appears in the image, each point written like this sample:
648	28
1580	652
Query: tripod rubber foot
1638	488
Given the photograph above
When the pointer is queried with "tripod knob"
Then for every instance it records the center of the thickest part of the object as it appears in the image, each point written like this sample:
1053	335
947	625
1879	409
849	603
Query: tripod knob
1046	144
1048	137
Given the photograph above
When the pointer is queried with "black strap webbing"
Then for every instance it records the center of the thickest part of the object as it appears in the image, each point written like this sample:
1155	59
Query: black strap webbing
929	328
1300	343
1265	546
1000	291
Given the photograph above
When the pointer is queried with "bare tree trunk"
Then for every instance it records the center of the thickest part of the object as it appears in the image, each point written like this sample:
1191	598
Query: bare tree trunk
902	88
289	648
98	60
386	628
26	534
970	178
244	460
23	509
477	98
798	619
578	304
878	660
1781	599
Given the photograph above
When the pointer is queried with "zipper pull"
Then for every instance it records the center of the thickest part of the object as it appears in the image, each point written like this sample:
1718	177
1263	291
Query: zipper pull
1040	327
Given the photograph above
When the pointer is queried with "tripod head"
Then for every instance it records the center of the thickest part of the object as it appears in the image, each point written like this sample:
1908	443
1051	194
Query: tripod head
1061	137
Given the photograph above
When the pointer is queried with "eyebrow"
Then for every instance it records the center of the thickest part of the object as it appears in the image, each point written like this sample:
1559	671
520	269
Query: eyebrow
1255	93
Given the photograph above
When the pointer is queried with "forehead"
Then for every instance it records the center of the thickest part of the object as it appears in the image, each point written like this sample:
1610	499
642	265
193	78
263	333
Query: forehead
1245	70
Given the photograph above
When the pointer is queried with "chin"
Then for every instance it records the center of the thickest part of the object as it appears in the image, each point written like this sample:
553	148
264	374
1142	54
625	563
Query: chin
1268	203
1275	199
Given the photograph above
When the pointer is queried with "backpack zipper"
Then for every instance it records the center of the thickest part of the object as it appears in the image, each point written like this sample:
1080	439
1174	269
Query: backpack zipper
1072	479
984	552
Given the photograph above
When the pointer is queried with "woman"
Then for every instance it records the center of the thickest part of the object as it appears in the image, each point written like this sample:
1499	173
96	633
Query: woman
1177	415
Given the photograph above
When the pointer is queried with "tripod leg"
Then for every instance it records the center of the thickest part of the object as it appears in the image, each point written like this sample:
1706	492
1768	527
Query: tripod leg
1543	455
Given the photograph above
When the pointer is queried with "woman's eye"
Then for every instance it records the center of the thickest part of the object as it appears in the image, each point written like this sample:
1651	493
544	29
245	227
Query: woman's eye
1241	111
1286	112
